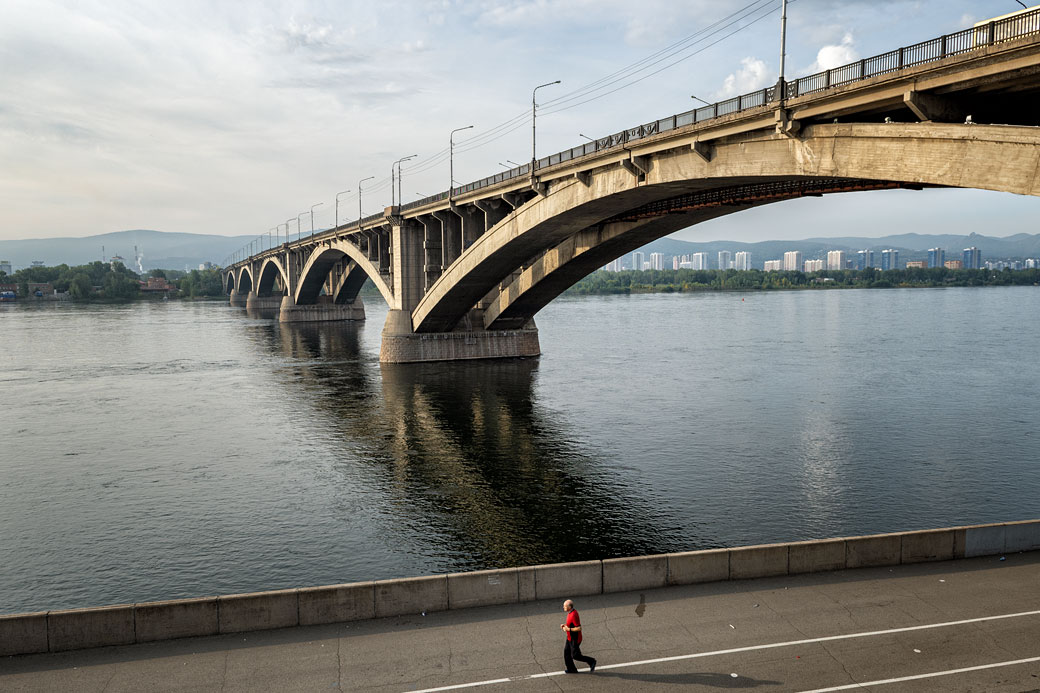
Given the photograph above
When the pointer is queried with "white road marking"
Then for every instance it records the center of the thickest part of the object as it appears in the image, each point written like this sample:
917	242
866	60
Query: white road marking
768	646
949	672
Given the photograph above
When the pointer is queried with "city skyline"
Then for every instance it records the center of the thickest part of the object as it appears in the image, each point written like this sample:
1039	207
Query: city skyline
110	110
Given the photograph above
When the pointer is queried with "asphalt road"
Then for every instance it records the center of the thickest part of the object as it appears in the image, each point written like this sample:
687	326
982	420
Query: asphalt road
968	625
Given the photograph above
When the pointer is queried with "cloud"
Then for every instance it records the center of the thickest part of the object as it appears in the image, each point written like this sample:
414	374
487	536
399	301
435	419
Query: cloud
835	55
753	74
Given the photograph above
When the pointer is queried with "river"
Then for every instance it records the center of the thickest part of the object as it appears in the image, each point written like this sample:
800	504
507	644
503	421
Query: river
173	449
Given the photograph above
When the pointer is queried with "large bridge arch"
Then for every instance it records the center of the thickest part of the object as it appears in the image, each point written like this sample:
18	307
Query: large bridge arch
271	270
990	157
320	263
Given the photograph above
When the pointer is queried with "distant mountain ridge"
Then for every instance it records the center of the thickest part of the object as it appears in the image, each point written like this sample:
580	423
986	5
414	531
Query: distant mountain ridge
165	250
158	249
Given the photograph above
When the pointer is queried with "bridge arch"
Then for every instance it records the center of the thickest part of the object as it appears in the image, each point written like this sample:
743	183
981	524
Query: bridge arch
271	269
320	264
591	213
244	282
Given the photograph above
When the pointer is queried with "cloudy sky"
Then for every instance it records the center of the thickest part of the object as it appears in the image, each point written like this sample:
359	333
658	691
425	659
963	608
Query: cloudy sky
232	117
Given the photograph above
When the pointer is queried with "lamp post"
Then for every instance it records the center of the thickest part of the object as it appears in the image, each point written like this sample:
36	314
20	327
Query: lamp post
337	206
299	234
359	214
700	99
509	161
451	160
319	204
398	165
287	230
534	113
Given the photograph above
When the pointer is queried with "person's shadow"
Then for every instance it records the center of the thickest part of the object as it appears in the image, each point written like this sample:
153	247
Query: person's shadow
692	678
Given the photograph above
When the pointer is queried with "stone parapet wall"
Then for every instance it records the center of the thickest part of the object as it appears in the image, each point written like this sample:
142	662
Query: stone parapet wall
54	631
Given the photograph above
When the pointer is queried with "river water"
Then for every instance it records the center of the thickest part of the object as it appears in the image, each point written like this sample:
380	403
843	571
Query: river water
164	450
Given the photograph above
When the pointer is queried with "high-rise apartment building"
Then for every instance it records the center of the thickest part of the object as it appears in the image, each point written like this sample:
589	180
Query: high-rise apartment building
889	259
835	259
725	259
657	261
742	261
774	265
864	259
614	266
972	258
793	260
936	257
5	266
812	266
699	261
637	261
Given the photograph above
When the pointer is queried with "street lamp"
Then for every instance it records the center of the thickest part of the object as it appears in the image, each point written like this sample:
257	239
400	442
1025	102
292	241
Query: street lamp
398	165
534	113
275	232
337	206
700	99
508	161
451	160
312	215
299	234
359	214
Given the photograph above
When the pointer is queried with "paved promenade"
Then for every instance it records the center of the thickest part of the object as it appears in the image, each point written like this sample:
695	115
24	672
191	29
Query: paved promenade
966	625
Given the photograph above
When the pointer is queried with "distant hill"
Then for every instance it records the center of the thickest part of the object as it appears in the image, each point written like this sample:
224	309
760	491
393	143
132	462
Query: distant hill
163	250
158	249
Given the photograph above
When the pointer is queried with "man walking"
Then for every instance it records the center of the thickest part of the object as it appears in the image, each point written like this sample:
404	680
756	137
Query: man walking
572	648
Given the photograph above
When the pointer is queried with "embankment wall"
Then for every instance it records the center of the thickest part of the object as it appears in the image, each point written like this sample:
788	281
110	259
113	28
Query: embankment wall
55	631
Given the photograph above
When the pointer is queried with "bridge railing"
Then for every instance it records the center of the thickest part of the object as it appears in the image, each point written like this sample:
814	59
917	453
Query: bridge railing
975	38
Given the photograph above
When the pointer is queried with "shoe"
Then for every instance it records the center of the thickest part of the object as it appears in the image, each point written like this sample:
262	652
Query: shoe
570	671
592	666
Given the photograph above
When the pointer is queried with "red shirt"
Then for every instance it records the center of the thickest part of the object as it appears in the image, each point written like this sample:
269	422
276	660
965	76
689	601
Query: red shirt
574	622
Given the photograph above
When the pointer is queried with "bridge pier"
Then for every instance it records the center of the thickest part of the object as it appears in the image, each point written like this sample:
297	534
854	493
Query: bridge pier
321	311
237	299
401	345
259	303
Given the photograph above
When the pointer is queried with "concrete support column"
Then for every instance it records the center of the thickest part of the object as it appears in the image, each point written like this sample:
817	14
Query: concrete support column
473	224
408	255
494	211
237	299
451	237
431	250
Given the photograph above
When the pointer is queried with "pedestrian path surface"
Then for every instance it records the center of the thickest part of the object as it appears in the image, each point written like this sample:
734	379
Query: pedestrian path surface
966	625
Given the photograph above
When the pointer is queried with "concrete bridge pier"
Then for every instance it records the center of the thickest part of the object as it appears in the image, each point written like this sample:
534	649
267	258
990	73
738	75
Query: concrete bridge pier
262	303
237	298
410	246
401	345
322	311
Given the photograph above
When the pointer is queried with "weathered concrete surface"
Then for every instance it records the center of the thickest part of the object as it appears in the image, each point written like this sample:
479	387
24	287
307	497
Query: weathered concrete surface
414	652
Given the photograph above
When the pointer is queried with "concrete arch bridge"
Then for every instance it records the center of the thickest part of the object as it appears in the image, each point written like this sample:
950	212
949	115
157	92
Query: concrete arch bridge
465	273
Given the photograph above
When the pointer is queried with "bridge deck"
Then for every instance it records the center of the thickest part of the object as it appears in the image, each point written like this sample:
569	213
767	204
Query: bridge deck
966	625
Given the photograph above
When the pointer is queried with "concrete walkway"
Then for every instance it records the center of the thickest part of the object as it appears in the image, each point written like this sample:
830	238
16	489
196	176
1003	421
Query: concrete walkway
966	625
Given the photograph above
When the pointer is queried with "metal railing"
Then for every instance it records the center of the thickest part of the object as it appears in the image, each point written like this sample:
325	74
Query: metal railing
967	40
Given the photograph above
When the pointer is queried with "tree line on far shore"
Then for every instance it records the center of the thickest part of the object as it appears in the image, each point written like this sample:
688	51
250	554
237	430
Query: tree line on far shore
112	282
686	280
100	281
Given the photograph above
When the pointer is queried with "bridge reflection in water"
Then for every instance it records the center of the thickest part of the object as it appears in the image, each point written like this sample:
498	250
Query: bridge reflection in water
466	458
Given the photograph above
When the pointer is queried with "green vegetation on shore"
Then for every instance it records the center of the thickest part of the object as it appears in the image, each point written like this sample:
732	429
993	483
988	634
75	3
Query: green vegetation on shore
686	280
112	282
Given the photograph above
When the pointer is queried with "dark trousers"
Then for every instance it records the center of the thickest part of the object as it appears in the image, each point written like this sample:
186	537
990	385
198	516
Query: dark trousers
571	652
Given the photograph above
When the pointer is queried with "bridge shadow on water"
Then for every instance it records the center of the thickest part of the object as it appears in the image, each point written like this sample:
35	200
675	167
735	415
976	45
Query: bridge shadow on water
466	454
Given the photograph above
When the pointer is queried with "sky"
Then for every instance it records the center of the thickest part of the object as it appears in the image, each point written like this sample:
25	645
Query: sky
230	118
